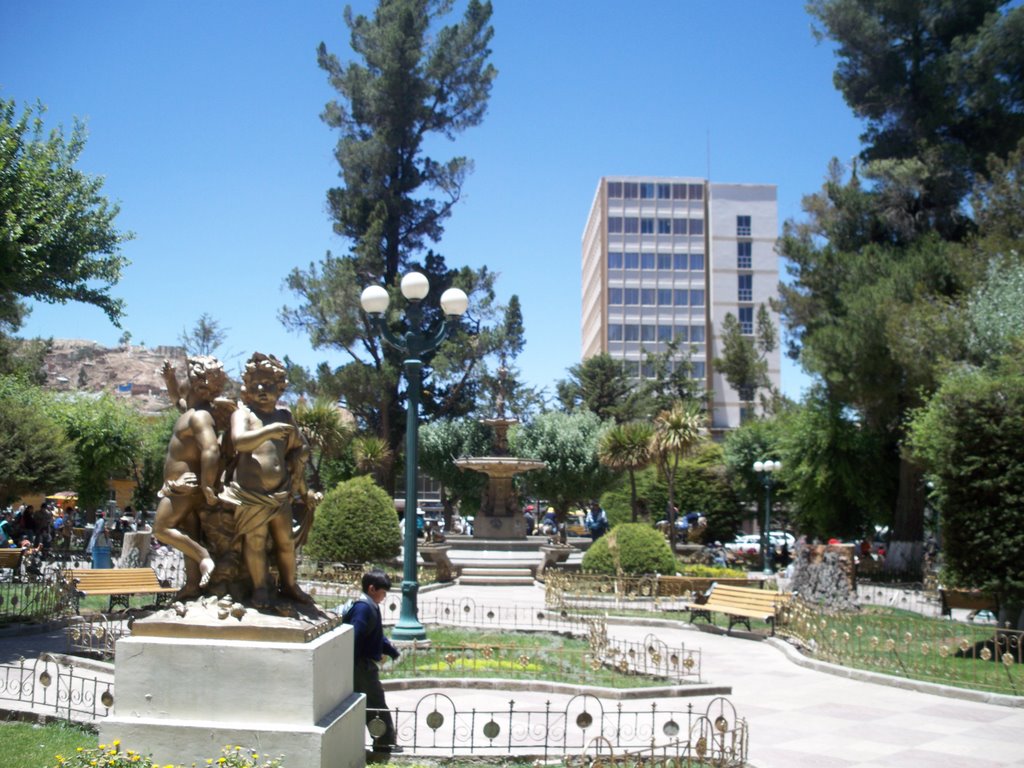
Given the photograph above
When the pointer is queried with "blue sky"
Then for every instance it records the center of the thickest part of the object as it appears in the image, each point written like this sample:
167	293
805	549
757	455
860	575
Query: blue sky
204	120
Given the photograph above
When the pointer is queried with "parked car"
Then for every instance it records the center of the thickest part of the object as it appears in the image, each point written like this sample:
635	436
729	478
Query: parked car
747	543
575	524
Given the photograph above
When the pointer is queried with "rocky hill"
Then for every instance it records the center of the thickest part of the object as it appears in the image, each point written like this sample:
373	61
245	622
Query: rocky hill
129	371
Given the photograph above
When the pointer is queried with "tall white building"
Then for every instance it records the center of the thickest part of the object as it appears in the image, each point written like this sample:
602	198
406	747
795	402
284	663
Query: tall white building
668	258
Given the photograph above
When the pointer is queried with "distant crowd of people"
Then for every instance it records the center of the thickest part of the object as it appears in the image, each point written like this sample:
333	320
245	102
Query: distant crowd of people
37	530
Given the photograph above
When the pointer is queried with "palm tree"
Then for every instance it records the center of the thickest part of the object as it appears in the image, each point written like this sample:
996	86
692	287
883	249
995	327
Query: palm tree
373	456
677	432
627	447
327	428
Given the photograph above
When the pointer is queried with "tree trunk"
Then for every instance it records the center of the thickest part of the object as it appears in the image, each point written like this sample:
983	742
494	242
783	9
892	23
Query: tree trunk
632	495
906	546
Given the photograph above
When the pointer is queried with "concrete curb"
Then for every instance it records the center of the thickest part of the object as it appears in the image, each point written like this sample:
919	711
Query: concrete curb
983	697
568	689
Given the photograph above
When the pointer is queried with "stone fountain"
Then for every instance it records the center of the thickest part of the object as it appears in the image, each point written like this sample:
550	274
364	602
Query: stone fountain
500	516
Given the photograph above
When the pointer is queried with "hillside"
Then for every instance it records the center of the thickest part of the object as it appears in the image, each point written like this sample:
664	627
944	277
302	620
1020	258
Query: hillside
131	371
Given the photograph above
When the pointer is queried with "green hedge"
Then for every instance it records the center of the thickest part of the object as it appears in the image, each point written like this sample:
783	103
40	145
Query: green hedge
636	548
355	523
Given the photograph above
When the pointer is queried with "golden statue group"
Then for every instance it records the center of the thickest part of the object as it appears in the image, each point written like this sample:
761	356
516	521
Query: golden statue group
234	485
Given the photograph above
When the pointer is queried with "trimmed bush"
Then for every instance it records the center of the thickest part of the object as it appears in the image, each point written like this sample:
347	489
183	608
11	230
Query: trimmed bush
355	523
636	548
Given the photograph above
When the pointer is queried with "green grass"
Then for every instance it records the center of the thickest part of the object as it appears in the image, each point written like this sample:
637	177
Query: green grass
27	745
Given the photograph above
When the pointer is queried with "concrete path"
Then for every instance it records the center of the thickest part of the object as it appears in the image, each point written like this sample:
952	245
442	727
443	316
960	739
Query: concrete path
798	717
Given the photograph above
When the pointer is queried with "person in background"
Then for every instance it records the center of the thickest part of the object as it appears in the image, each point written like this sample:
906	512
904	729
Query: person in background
596	521
370	647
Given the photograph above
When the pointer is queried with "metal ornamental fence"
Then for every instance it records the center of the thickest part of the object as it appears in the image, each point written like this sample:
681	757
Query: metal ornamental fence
44	687
436	725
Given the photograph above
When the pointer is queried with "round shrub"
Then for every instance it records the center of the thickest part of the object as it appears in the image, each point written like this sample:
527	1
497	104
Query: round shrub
636	548
355	523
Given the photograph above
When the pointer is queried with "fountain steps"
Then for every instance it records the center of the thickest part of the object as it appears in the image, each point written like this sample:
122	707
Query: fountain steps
495	574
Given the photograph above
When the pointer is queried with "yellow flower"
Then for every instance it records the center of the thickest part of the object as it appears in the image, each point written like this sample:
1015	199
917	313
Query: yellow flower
117	742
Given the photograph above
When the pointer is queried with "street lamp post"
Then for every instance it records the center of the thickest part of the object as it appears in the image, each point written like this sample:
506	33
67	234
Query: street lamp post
414	344
764	470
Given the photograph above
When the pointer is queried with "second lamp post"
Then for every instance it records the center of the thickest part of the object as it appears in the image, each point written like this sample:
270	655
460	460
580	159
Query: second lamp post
414	344
764	470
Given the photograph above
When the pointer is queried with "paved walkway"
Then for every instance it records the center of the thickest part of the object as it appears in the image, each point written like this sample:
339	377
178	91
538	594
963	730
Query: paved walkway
798	717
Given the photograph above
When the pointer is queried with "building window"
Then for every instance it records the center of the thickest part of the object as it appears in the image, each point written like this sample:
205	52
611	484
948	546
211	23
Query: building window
615	332
696	191
632	296
679	261
697	334
630	190
647	297
646	261
664	191
679	226
646	191
742	226
665	261
699	369
615	189
745	255
696	297
614	259
632	332
665	297
614	225
615	296
682	333
647	332
664	333
678	191
664	226
646	226
682	297
747	320
696	226
745	288
632	368
697	262
632	260
631	226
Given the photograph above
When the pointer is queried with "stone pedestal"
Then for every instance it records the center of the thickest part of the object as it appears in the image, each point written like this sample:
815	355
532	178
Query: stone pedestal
182	699
552	555
437	555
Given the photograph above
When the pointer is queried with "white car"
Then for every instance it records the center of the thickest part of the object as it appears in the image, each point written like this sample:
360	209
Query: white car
748	543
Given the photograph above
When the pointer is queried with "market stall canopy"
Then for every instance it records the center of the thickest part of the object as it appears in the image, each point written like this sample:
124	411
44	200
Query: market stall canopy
64	496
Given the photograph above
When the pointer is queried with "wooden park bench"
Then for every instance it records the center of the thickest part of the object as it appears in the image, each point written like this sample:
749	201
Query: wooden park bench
11	558
119	583
739	604
972	600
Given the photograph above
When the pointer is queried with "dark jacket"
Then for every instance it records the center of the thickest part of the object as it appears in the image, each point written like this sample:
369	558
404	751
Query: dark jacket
364	616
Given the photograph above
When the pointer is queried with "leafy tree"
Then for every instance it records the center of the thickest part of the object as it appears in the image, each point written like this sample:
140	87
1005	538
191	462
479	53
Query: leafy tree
148	468
327	431
598	384
668	378
835	472
23	358
937	82
968	435
107	438
443	441
996	312
35	456
744	360
677	433
567	442
57	237
875	316
410	79
205	337
355	523
705	486
627	447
